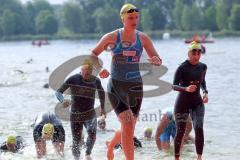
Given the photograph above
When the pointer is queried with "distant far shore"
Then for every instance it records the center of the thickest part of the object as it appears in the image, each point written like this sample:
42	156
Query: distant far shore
153	34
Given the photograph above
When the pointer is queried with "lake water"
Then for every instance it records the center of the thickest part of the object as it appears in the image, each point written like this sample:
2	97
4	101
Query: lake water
22	97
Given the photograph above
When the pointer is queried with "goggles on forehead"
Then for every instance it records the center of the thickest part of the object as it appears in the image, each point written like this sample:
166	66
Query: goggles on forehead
196	50
132	10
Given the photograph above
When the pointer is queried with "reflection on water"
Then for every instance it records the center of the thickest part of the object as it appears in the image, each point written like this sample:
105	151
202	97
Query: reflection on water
22	97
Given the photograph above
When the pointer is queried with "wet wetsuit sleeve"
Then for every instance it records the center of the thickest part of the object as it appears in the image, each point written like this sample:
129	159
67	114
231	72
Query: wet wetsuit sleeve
203	84
101	93
3	147
63	88
37	133
59	135
177	79
19	144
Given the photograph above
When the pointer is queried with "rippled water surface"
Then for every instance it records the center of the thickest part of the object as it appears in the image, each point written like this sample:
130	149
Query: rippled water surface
22	97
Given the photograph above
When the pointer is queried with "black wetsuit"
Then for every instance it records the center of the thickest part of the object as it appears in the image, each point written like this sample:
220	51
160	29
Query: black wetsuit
82	109
19	144
186	102
44	118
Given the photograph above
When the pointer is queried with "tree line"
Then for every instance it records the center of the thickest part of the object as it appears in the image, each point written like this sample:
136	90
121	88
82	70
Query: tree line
38	17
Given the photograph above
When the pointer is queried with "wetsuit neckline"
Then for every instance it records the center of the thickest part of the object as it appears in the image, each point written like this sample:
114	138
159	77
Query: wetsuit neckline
188	61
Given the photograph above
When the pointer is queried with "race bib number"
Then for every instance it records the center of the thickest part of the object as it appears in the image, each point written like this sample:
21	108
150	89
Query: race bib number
129	53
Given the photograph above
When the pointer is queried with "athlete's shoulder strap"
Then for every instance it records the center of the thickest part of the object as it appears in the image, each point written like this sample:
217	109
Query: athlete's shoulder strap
138	41
119	37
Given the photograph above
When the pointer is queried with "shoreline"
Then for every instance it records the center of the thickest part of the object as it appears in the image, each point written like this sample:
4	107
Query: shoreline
152	34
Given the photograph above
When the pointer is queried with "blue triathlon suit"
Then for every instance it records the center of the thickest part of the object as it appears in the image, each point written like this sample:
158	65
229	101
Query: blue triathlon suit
125	88
169	130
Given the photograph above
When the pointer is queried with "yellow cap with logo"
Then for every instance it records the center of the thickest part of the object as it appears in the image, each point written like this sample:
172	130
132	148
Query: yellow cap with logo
148	129
11	139
48	129
194	45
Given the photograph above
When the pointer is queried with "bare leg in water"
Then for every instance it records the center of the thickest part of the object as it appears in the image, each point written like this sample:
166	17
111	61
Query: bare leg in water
124	136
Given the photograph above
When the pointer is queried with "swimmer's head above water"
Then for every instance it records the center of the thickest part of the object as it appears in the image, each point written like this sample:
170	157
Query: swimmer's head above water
86	69
148	132
47	131
194	52
11	143
102	124
194	46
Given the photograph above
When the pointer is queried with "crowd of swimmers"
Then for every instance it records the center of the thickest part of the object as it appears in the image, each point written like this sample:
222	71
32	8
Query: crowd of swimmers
48	127
125	92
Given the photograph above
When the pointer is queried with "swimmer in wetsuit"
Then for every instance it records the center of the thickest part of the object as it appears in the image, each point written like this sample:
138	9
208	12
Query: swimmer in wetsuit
188	79
48	127
12	144
83	87
125	88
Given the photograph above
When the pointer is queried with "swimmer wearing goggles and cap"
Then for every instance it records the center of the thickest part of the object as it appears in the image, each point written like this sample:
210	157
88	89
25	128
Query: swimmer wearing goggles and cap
48	127
12	144
188	80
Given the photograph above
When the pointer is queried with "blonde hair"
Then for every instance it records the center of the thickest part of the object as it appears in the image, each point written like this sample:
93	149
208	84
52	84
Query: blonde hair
126	7
88	63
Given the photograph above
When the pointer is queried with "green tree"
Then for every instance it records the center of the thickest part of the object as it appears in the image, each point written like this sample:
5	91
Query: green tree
12	5
23	23
107	19
8	23
1	29
33	8
158	16
210	19
73	17
191	18
160	11
21	15
41	5
117	4
222	15
89	7
235	17
31	15
177	14
207	3
188	2
46	23
186	18
146	20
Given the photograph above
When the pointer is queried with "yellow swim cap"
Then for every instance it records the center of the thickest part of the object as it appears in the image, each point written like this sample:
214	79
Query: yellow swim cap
128	8
11	140
194	45
48	129
148	129
88	63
